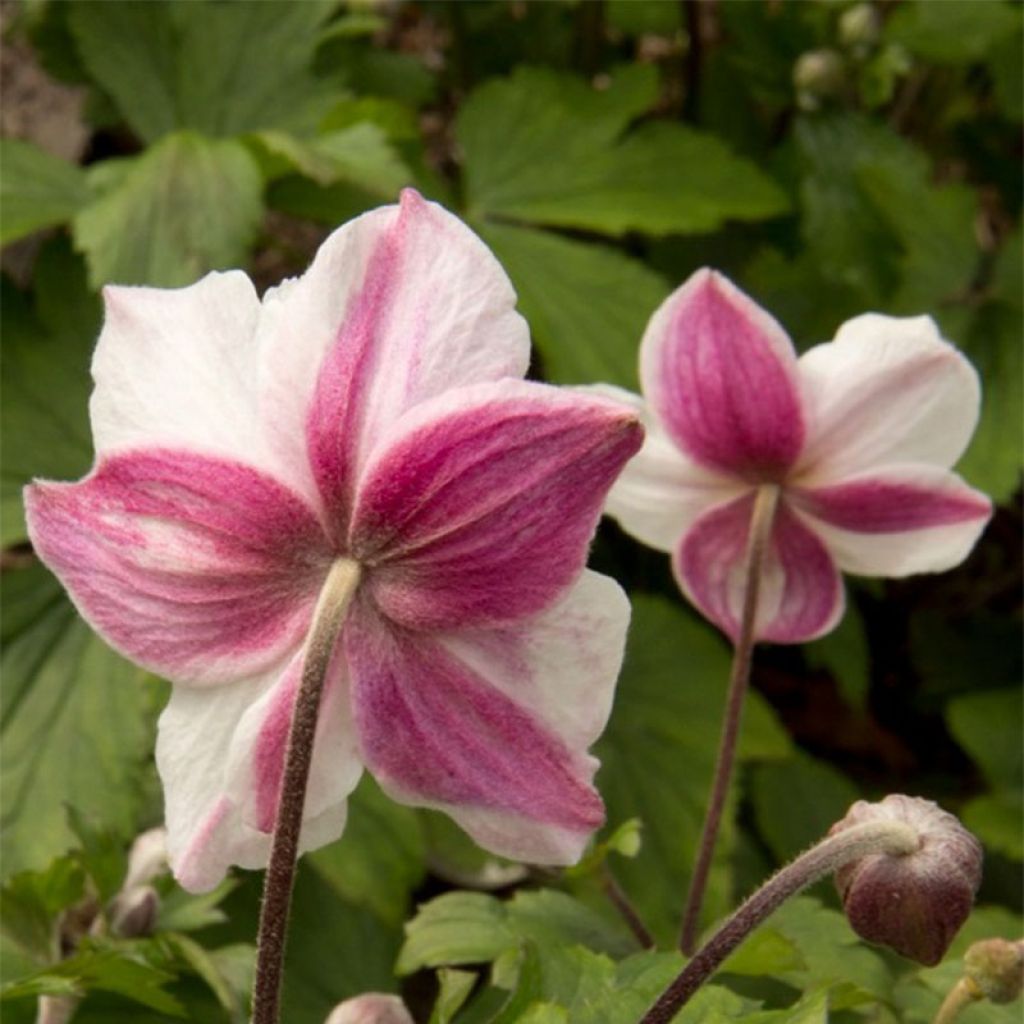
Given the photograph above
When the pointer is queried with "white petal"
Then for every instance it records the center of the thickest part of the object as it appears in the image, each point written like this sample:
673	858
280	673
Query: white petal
897	520
885	390
662	491
417	292
176	368
203	735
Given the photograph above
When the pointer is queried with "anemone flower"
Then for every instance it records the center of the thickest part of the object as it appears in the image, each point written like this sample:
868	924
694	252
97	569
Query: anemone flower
356	452
764	475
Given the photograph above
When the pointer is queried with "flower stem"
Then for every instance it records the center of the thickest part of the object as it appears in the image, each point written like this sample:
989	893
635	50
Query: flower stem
739	679
959	997
890	837
328	617
624	906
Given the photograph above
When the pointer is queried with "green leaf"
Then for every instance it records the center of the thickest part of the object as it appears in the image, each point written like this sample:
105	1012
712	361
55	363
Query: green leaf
186	206
831	954
987	725
360	155
37	190
77	728
953	31
991	337
796	802
541	147
117	970
44	368
470	928
182	911
380	859
101	852
218	68
587	304
658	753
454	989
30	904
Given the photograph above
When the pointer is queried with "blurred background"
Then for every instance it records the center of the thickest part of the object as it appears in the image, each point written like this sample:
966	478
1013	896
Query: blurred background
831	157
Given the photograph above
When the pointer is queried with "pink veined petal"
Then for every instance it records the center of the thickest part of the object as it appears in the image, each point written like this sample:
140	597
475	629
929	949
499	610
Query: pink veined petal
661	491
436	733
720	373
203	803
897	520
801	594
398	306
480	507
176	368
255	760
886	390
201	569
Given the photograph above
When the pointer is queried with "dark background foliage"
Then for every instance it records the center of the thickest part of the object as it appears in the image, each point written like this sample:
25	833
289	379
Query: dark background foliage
832	157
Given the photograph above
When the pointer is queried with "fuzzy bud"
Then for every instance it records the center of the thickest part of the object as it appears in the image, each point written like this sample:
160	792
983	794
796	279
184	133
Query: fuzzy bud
996	967
914	903
818	75
134	913
370	1008
859	26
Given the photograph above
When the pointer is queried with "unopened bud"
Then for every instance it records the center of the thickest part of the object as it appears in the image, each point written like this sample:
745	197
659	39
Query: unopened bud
818	75
147	858
916	902
134	913
370	1008
996	966
859	26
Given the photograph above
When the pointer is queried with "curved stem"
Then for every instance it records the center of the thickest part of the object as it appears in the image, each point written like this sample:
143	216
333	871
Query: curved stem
959	997
894	838
328	617
757	545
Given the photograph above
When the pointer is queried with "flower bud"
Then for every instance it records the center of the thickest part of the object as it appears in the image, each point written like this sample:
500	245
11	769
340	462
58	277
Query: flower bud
859	26
996	967
914	903
370	1008
147	858
818	75
134	913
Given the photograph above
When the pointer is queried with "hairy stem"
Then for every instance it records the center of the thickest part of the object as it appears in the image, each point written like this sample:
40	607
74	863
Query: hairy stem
959	997
624	906
328	617
894	838
739	679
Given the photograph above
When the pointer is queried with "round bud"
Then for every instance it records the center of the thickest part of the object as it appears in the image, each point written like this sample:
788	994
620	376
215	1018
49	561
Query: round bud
818	75
370	1008
859	26
996	966
914	903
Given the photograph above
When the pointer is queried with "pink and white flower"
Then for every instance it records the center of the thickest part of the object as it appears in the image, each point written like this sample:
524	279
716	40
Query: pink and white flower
857	434
370	410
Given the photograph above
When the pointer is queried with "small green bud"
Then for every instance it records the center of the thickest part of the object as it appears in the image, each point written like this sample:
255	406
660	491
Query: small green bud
996	966
859	27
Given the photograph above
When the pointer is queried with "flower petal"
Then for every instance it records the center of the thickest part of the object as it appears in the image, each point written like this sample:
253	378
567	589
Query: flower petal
661	491
480	507
721	375
398	306
887	390
204	793
801	595
898	520
176	368
201	569
436	733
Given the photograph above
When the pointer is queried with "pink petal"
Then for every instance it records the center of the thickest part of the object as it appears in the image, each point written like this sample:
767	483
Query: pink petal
208	783
176	368
482	505
887	390
801	595
398	306
436	733
201	569
662	492
721	375
898	520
